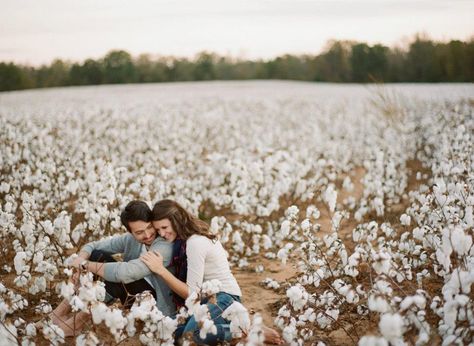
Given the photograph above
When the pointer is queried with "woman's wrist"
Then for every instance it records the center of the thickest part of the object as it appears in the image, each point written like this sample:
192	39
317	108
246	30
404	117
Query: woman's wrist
161	271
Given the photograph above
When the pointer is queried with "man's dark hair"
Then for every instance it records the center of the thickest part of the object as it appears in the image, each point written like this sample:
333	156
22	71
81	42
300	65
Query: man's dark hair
135	211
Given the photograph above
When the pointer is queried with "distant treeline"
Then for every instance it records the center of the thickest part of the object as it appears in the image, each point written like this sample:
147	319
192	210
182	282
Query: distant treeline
343	61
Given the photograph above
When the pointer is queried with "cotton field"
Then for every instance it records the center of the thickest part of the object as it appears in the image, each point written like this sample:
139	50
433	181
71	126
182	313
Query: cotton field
368	191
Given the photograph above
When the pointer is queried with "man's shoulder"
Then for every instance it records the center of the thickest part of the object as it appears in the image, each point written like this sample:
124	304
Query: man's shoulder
161	242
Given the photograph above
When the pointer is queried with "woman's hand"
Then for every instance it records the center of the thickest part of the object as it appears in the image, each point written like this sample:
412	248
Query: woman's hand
154	262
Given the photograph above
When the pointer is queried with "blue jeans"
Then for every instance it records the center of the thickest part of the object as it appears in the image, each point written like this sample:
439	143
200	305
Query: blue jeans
223	301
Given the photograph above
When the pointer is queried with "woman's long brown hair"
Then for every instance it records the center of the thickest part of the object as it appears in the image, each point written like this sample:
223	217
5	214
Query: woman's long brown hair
184	224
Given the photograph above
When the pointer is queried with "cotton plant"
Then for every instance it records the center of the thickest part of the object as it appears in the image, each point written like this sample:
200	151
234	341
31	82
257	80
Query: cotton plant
70	167
157	328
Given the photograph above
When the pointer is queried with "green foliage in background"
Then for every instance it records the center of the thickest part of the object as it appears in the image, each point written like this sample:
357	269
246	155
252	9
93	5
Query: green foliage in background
341	62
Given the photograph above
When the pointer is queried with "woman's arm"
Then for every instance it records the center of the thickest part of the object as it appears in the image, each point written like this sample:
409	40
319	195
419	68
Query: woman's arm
154	261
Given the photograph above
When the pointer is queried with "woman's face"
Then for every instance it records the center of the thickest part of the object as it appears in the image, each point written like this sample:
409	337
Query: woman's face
165	229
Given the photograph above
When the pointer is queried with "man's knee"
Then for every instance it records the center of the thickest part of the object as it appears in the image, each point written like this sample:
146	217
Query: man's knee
101	256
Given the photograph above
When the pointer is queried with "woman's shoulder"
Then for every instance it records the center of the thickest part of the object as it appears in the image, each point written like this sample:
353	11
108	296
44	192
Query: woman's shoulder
197	239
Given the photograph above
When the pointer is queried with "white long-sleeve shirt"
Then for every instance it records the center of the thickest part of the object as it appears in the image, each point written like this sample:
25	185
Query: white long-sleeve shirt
207	260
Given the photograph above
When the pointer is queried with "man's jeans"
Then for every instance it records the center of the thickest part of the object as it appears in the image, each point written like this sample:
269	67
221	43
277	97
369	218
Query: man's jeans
125	292
223	301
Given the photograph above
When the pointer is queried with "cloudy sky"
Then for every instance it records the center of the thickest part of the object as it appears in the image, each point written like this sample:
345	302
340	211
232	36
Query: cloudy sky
37	31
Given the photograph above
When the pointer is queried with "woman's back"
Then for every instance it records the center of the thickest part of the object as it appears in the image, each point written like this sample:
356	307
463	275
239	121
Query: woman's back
207	260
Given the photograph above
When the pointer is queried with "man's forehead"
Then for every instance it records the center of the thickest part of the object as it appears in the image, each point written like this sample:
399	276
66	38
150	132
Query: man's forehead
137	226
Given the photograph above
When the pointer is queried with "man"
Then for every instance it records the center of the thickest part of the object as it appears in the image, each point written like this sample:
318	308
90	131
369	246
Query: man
124	279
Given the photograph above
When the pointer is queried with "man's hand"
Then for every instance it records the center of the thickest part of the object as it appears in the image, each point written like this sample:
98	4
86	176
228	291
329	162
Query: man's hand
154	262
76	263
81	257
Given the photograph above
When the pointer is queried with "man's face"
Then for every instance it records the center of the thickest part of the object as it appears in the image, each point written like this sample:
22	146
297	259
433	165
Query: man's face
142	231
165	229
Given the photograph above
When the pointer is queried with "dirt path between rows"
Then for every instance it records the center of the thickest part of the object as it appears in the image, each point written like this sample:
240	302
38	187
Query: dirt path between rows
256	297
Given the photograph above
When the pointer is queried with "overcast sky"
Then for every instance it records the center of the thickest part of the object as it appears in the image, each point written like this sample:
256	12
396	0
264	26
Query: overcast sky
37	31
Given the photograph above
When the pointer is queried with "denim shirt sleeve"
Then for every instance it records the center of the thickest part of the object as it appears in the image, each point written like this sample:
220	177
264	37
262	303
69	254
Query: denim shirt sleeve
113	245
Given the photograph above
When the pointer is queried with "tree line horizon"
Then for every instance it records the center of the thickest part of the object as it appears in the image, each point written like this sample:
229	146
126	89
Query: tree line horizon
423	61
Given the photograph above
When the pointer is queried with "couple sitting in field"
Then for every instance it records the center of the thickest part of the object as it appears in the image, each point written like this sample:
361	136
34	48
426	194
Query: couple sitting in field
168	252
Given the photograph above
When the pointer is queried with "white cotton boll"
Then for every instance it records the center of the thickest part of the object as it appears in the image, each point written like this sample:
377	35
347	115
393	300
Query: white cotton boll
284	229
467	279
239	319
267	242
38	257
372	341
72	186
89	339
211	287
283	252
8	334
298	296
256	335
292	212
347	184
417	300
336	220
443	259
87	293
330	197
312	212
290	332
99	312
77	304
450	313
323	320
20	262
4	187
115	320
461	242
305	225
53	333
201	312
405	220
27	229
48	227
192	302
30	329
354	259
468	217
214	226
379	206
383	287
391	326
78	232
237	243
378	304
207	327
38	286
381	262
418	233
99	291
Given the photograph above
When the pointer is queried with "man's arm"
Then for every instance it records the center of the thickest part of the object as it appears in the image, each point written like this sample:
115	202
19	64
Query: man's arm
111	245
81	262
130	271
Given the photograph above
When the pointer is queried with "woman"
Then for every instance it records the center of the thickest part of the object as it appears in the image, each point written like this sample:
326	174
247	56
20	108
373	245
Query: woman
206	260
